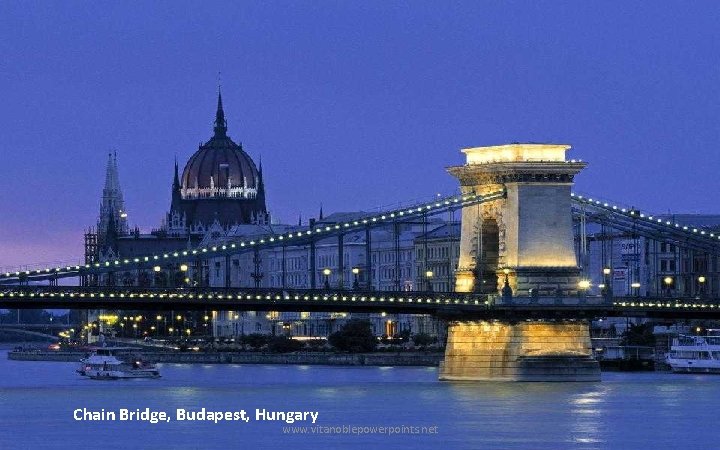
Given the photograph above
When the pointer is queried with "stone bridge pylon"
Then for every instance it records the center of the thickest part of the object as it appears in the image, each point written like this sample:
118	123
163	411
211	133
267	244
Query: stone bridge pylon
528	234
525	238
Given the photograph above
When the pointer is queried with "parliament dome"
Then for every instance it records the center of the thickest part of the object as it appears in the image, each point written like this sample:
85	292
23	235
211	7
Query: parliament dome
220	167
220	183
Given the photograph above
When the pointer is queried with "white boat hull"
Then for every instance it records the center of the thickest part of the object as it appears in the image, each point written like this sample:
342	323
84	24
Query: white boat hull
120	374
107	363
694	366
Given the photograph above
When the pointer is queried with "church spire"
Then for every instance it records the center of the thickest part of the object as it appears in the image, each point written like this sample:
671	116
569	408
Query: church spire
176	193
261	186
112	207
176	180
220	122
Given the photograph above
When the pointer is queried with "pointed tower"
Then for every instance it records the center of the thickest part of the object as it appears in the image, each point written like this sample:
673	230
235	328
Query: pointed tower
220	122
113	204
321	213
176	193
261	186
220	182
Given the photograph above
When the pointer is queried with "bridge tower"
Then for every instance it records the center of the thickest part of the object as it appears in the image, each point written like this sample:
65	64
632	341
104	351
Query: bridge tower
523	242
529	233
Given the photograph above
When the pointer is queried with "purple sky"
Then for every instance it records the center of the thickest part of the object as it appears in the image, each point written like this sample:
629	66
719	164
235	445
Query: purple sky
352	104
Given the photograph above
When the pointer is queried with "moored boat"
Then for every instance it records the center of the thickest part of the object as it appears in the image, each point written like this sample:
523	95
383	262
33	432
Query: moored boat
112	363
695	354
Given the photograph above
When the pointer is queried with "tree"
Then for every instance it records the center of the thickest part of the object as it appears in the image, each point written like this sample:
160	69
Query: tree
641	335
423	340
355	336
315	344
255	340
284	344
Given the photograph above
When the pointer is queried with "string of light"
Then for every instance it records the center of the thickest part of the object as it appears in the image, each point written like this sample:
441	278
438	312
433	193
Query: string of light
636	214
270	240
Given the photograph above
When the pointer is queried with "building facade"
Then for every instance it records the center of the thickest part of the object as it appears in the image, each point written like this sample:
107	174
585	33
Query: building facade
643	267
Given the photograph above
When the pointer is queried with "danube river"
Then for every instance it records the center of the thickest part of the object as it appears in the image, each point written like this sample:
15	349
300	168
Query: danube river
625	410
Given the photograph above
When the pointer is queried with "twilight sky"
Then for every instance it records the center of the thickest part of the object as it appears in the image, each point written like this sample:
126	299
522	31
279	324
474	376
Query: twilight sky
353	104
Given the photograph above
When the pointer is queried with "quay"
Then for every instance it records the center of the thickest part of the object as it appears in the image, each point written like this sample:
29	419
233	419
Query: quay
300	358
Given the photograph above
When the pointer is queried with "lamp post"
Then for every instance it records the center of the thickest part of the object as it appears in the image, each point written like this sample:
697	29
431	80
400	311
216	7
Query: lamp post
327	273
356	283
701	282
668	281
507	290
583	286
156	277
428	277
607	286
183	274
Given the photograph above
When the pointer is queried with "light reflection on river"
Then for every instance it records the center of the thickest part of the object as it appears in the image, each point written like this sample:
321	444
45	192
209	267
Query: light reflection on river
626	410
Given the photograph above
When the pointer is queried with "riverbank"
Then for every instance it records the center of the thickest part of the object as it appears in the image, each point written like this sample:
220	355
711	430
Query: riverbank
303	358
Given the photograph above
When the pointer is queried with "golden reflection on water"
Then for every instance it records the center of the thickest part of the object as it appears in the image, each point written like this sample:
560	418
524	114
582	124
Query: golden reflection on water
578	409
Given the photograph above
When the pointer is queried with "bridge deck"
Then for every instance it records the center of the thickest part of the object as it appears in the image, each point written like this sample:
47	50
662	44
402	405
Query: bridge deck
446	304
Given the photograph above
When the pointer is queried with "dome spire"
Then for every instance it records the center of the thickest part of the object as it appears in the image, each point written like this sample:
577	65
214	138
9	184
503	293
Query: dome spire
220	122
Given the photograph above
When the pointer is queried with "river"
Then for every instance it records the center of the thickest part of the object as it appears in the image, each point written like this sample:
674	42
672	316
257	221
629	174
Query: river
625	410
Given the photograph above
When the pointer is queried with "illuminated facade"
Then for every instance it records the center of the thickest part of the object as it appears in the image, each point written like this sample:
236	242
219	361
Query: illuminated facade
392	267
529	232
639	266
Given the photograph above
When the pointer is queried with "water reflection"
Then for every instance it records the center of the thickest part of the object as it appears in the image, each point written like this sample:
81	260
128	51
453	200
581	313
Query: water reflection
625	410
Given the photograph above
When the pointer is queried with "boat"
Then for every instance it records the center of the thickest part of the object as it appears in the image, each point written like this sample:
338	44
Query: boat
695	354
113	363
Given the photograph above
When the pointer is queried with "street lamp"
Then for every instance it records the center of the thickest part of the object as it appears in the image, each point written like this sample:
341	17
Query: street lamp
583	286
327	273
183	274
507	290
668	284
606	287
356	272
156	277
701	280
428	276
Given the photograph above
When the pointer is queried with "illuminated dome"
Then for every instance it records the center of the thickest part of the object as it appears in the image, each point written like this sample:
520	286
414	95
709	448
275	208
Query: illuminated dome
220	182
220	167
